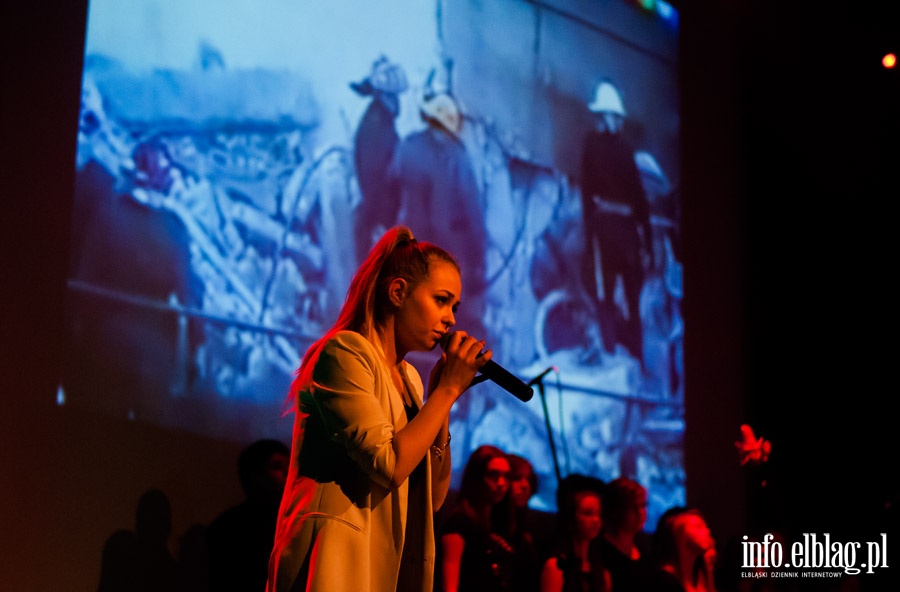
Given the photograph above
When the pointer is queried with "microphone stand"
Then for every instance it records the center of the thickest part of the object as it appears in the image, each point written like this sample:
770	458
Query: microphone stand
540	384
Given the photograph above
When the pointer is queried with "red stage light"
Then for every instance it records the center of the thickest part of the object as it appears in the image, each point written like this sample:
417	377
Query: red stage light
889	60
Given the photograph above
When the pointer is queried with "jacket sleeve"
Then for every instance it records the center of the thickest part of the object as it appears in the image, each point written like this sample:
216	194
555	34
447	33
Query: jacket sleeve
349	393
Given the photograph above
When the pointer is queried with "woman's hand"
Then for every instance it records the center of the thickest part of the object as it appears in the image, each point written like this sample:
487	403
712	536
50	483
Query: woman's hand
449	378
460	362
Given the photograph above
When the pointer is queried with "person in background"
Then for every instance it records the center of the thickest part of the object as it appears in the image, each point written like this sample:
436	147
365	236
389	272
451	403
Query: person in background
576	566
239	540
370	462
139	560
131	339
620	544
684	553
513	520
617	231
439	196
374	144
474	556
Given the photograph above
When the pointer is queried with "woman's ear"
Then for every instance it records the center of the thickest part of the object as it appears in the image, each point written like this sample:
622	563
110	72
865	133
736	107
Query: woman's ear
397	291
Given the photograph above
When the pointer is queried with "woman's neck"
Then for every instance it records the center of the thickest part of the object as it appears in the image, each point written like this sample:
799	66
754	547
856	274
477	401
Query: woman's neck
392	357
388	342
580	547
624	542
693	572
479	512
484	514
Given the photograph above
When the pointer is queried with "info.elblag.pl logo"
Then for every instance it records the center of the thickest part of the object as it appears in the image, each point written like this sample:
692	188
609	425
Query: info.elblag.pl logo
814	556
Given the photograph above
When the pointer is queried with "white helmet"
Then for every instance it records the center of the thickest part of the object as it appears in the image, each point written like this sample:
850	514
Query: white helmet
607	100
442	108
388	77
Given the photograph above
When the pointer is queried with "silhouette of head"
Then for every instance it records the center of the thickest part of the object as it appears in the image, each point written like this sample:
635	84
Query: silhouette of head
262	469
153	517
624	505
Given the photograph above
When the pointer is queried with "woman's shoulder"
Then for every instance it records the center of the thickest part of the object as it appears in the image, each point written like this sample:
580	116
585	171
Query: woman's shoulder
340	346
349	341
346	336
343	349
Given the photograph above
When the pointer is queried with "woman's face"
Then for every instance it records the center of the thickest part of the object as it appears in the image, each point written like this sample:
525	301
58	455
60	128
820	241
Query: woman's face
496	479
428	311
520	491
636	514
587	516
692	532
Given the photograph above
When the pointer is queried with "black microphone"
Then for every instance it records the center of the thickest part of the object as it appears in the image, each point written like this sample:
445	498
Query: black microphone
541	376
502	377
507	380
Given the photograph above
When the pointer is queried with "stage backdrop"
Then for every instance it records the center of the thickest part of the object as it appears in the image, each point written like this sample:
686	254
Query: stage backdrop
236	158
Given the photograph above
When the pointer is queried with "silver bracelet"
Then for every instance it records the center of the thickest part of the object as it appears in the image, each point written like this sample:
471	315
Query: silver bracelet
438	451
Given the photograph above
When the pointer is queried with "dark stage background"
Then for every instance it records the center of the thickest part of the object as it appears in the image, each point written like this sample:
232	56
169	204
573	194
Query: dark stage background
789	133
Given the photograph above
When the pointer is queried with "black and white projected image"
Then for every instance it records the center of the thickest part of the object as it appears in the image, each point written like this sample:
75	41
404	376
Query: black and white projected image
236	160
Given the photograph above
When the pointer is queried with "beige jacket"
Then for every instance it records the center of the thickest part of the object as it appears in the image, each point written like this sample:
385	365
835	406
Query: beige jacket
341	527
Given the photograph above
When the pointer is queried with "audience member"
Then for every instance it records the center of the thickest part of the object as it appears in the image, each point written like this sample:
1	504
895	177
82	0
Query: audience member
624	517
192	560
473	556
512	519
576	566
684	553
240	539
140	560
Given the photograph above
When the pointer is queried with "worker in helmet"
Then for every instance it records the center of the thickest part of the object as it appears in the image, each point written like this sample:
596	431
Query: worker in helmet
439	197
616	225
374	145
